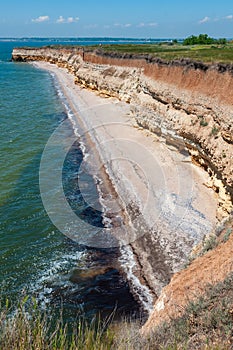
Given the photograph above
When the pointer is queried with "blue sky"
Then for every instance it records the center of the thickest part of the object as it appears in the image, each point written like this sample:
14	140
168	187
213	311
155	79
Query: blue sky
122	18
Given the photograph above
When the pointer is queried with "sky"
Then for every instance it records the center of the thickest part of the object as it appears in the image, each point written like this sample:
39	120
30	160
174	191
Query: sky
119	18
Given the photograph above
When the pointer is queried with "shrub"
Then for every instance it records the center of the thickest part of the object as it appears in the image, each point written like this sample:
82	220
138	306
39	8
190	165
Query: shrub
203	122
214	131
227	234
209	244
203	39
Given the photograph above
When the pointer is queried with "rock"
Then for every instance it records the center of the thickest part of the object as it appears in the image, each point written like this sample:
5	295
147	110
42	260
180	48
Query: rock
80	275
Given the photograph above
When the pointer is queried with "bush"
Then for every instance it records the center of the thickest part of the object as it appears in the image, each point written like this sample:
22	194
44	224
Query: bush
214	131
227	234
203	122
209	244
203	39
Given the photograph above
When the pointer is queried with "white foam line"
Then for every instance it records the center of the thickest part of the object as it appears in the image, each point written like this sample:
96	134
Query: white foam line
142	292
71	117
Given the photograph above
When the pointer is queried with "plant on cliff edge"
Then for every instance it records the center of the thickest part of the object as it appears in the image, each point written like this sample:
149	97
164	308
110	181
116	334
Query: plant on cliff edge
203	122
214	130
207	322
27	328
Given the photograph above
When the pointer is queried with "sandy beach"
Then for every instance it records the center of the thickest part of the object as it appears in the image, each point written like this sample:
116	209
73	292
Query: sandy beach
155	203
167	190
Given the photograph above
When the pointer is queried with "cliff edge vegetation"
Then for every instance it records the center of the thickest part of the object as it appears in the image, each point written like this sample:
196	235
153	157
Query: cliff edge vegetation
195	48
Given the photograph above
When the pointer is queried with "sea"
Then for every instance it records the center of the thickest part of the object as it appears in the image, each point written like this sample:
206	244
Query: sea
36	259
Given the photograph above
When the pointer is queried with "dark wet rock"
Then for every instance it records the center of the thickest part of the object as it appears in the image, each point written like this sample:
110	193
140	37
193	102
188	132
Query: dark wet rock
81	275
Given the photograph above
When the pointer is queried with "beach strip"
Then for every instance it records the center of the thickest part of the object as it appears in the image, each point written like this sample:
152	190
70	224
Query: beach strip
161	191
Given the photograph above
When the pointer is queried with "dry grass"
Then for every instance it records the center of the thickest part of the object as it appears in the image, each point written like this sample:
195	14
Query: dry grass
28	328
206	324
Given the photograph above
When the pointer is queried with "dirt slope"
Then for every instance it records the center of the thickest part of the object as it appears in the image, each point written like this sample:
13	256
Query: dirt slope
189	284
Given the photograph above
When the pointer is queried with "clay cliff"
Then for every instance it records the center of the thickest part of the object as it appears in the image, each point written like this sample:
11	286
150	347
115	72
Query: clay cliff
187	104
180	98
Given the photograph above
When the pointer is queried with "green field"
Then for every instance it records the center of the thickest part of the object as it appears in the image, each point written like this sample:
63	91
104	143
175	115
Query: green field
205	53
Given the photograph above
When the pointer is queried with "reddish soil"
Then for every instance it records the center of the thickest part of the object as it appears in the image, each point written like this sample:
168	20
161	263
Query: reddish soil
191	283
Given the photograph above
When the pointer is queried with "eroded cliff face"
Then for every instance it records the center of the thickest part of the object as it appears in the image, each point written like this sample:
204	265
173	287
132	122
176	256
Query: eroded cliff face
192	282
188	105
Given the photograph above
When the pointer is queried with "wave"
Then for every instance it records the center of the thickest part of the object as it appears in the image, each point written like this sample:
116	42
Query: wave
54	275
142	292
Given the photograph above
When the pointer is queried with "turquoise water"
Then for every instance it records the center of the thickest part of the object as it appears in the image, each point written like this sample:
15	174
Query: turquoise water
35	258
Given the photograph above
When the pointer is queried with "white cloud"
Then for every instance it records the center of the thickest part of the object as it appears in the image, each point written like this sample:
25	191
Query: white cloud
151	24
61	19
204	20
127	25
72	19
229	17
41	19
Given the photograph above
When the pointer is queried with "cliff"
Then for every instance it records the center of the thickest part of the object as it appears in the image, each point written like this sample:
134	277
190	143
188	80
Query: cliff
191	283
186	104
180	98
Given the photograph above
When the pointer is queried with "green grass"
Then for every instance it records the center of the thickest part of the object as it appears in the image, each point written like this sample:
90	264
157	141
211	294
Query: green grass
204	53
28	328
227	234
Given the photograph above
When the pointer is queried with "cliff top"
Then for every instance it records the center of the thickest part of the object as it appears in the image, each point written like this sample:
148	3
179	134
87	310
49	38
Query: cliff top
163	51
169	51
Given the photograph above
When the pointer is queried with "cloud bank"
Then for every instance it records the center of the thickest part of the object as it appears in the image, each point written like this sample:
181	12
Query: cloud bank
204	20
208	19
151	24
41	19
61	19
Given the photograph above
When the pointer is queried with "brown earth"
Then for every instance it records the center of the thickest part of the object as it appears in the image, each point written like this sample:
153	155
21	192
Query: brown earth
184	75
192	282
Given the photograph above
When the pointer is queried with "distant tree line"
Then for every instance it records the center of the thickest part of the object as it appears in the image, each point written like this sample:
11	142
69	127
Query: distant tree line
203	39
